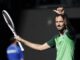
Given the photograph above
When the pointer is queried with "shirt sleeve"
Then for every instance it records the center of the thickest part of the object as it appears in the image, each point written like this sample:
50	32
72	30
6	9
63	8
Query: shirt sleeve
51	42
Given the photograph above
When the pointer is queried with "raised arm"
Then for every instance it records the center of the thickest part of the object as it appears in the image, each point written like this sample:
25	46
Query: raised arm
39	47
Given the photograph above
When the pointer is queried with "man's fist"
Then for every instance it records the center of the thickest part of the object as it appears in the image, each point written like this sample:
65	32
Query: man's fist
18	38
59	10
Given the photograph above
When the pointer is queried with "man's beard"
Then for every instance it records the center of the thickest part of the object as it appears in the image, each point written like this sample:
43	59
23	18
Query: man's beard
62	30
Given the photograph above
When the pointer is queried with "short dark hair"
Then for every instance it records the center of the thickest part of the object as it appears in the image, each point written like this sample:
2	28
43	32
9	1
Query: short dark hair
60	6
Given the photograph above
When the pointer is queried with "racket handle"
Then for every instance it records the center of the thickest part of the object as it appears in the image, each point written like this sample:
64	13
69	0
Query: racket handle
20	45
22	49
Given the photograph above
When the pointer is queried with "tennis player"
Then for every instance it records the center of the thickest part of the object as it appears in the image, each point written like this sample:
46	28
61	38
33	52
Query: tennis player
64	41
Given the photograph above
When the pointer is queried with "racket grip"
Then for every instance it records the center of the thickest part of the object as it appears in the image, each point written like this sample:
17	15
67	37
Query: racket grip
20	45
22	49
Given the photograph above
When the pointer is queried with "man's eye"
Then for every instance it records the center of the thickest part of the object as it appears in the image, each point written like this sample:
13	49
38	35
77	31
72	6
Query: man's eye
61	21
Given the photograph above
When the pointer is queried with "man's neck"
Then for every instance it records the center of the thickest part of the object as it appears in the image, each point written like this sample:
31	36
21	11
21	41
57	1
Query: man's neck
62	32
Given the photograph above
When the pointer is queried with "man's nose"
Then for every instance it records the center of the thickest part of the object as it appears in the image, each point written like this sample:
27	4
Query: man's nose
58	23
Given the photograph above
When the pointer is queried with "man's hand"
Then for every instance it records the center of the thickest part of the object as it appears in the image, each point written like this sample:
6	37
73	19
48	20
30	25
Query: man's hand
18	38
59	10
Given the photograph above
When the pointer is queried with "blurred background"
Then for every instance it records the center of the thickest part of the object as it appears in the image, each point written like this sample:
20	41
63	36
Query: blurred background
34	21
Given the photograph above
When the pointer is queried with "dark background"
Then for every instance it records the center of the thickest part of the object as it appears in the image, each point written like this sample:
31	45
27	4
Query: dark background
34	20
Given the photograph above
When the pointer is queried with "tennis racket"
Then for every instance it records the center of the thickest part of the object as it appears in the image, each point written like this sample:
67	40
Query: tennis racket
10	24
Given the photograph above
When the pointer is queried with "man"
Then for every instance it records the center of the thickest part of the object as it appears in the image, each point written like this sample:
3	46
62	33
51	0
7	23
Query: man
64	41
14	52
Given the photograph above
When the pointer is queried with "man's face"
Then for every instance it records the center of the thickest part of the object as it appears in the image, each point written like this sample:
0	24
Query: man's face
60	24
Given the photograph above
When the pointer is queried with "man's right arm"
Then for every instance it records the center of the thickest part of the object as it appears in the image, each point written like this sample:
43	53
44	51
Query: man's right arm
35	46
